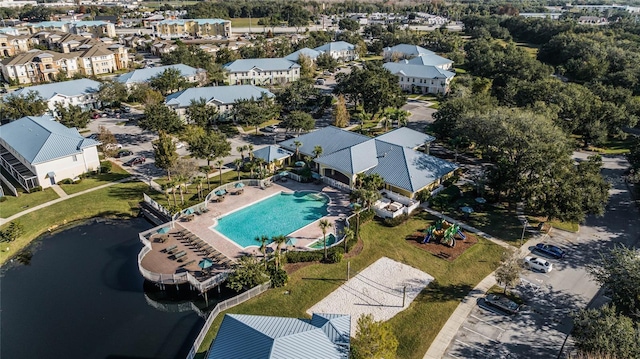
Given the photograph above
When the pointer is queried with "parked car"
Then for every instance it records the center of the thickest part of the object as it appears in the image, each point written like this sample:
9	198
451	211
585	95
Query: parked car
123	153
320	82
126	109
95	115
550	250
502	303
271	128
93	136
135	161
112	146
537	264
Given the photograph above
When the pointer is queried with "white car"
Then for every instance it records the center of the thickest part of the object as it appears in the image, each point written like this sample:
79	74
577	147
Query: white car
537	264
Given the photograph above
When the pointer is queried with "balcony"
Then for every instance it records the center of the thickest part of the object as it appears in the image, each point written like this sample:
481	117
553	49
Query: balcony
27	179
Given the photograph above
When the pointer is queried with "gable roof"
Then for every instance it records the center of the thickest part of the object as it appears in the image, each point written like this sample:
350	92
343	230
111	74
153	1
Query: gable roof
419	71
330	138
310	53
335	46
271	153
41	139
429	60
267	64
409	50
254	336
144	75
224	95
66	88
406	137
354	159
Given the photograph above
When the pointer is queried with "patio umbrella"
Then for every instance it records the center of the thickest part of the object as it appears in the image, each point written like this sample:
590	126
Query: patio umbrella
284	173
164	230
220	192
239	185
481	200
205	263
292	241
188	211
466	209
300	164
315	175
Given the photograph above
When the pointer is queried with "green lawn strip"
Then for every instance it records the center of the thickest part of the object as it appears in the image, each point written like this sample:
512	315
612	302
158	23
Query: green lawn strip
417	326
244	22
118	201
117	173
565	226
24	201
252	129
615	146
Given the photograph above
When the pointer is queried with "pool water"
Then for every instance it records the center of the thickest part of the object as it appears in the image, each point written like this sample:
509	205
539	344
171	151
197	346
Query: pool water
281	214
331	239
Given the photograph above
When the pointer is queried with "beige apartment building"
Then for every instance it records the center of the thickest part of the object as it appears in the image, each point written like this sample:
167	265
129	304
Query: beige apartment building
199	28
95	28
11	45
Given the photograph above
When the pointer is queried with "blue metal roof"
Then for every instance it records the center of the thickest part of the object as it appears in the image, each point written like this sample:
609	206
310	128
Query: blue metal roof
61	23
41	139
409	50
271	153
144	75
335	46
406	137
275	64
429	60
419	71
310	53
224	95
354	159
330	138
65	88
253	336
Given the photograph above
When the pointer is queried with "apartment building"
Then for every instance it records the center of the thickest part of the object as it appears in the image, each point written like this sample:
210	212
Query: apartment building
95	28
199	28
339	50
262	71
10	45
420	78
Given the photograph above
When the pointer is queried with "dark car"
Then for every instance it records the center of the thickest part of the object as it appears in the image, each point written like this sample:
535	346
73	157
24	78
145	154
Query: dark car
135	161
502	303
123	153
94	136
550	250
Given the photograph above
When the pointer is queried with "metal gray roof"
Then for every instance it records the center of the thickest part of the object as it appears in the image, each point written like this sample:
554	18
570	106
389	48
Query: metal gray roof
271	153
66	88
336	326
330	138
335	46
406	137
408	169
310	53
408	50
354	159
222	95
144	75
275	64
429	60
253	336
41	139
419	71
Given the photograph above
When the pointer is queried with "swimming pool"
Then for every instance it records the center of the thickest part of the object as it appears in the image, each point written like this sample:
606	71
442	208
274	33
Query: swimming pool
281	214
319	244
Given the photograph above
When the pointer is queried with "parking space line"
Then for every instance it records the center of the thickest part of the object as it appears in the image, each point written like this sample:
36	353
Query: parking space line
472	346
453	356
486	322
482	335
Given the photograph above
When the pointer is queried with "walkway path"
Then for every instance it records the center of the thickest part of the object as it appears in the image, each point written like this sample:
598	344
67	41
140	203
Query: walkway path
451	327
59	191
66	197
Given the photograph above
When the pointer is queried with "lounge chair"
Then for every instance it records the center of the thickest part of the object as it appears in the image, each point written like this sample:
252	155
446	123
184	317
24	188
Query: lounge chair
170	249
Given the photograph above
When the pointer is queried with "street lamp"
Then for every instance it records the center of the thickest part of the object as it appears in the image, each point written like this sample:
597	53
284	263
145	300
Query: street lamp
524	227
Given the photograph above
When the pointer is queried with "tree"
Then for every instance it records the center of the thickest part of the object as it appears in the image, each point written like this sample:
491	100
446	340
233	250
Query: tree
298	121
143	93
18	106
248	273
279	241
159	117
238	164
165	152
298	144
634	155
108	141
348	234
254	112
373	339
219	163
508	273
113	93
324	224
206	144
72	116
348	24
619	270
170	80
299	95
340	113
200	113
603	331
263	248
225	56
14	230
326	62
307	66
317	151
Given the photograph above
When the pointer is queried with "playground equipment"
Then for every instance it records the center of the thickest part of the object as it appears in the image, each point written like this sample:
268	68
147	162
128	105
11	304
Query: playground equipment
444	232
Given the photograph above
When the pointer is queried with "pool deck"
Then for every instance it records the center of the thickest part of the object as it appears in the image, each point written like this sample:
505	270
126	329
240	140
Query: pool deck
159	262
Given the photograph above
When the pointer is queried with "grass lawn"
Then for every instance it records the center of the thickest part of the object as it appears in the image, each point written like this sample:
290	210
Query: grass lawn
415	327
615	146
252	129
24	201
117	173
244	22
372	58
120	200
565	226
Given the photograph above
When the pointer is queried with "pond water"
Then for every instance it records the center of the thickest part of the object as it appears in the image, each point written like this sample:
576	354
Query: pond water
80	295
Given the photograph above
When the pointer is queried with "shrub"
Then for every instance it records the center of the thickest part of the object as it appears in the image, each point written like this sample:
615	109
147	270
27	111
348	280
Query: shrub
105	166
66	181
304	256
278	277
334	256
392	222
423	196
3	198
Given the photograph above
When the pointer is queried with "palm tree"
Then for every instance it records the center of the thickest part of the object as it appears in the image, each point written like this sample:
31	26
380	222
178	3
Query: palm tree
219	163
279	240
241	149
249	148
260	163
298	144
238	163
251	166
180	181
263	248
198	181
348	235
324	224
317	151
207	170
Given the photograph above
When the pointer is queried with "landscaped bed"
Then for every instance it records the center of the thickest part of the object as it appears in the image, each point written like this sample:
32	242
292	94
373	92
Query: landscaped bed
440	250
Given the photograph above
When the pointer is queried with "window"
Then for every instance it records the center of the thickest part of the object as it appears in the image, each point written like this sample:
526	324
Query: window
75	158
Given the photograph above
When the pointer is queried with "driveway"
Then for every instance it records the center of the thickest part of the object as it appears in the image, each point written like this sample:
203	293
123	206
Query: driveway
540	329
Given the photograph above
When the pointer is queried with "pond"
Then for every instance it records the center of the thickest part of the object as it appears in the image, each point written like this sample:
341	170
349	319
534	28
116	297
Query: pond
78	294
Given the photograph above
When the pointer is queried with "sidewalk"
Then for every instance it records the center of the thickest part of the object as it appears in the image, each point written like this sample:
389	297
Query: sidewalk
451	327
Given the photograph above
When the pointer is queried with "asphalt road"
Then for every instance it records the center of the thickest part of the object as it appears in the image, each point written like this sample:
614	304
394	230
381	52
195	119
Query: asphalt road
540	329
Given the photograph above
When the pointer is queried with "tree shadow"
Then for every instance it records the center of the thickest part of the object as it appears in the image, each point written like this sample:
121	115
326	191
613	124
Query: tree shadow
444	293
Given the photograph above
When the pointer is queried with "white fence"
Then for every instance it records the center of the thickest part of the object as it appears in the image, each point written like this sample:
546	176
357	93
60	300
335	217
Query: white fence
221	307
